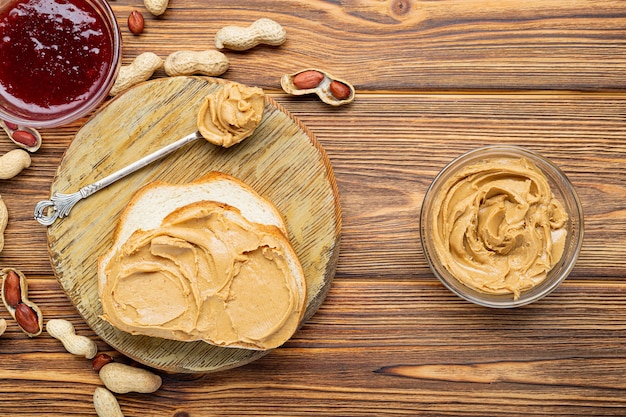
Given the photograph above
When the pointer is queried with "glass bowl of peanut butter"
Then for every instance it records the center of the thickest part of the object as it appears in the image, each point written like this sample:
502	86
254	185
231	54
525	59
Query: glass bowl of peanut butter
501	226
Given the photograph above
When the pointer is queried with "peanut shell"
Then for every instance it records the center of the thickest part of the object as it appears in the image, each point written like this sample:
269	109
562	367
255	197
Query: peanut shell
344	92
29	324
121	379
24	137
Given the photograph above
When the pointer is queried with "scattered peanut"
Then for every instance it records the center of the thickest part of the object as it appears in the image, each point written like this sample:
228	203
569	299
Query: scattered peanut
263	31
339	90
121	378
3	326
211	63
13	162
27	318
26	313
308	79
11	126
4	220
142	68
12	289
135	22
106	404
64	331
329	89
24	137
156	7
100	360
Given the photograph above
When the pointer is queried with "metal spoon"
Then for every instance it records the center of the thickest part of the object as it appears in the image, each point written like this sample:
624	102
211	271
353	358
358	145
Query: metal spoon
59	205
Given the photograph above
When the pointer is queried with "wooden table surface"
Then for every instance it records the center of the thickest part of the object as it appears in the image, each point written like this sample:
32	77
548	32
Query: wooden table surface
434	79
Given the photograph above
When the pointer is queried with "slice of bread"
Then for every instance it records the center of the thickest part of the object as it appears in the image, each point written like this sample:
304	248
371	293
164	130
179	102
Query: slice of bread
152	203
157	204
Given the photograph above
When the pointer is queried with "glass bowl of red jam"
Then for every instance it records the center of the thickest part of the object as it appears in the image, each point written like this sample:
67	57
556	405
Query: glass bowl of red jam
59	59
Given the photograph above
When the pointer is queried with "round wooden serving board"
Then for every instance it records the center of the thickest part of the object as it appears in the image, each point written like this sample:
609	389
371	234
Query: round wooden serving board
281	160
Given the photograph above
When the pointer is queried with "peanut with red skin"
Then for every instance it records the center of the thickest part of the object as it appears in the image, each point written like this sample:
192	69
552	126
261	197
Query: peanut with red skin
27	318
99	361
135	22
339	90
12	289
330	90
11	126
25	138
26	313
308	79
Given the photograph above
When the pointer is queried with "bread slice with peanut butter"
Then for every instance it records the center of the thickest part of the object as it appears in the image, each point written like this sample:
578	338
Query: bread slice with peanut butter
209	260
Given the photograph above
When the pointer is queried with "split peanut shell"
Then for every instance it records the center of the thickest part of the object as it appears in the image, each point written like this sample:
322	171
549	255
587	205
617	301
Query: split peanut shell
324	89
34	325
24	137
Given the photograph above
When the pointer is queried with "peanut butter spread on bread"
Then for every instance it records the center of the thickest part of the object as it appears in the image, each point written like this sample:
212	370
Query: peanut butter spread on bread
231	114
497	227
208	274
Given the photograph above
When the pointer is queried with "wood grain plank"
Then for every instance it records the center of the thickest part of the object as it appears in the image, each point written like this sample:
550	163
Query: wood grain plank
434	79
409	45
387	149
389	347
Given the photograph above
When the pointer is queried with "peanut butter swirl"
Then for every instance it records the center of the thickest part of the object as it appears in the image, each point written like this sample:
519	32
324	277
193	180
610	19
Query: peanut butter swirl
231	114
497	227
206	274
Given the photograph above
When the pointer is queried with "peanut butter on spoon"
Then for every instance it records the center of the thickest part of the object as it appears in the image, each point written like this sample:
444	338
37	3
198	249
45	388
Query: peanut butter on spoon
231	115
225	118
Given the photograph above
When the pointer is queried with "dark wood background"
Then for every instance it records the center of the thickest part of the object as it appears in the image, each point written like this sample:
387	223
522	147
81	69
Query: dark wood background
434	79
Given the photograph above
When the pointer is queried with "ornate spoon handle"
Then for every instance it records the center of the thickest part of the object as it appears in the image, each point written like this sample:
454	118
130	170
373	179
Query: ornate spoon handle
59	205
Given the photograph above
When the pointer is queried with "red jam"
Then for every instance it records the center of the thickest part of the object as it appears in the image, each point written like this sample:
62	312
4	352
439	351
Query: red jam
55	55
